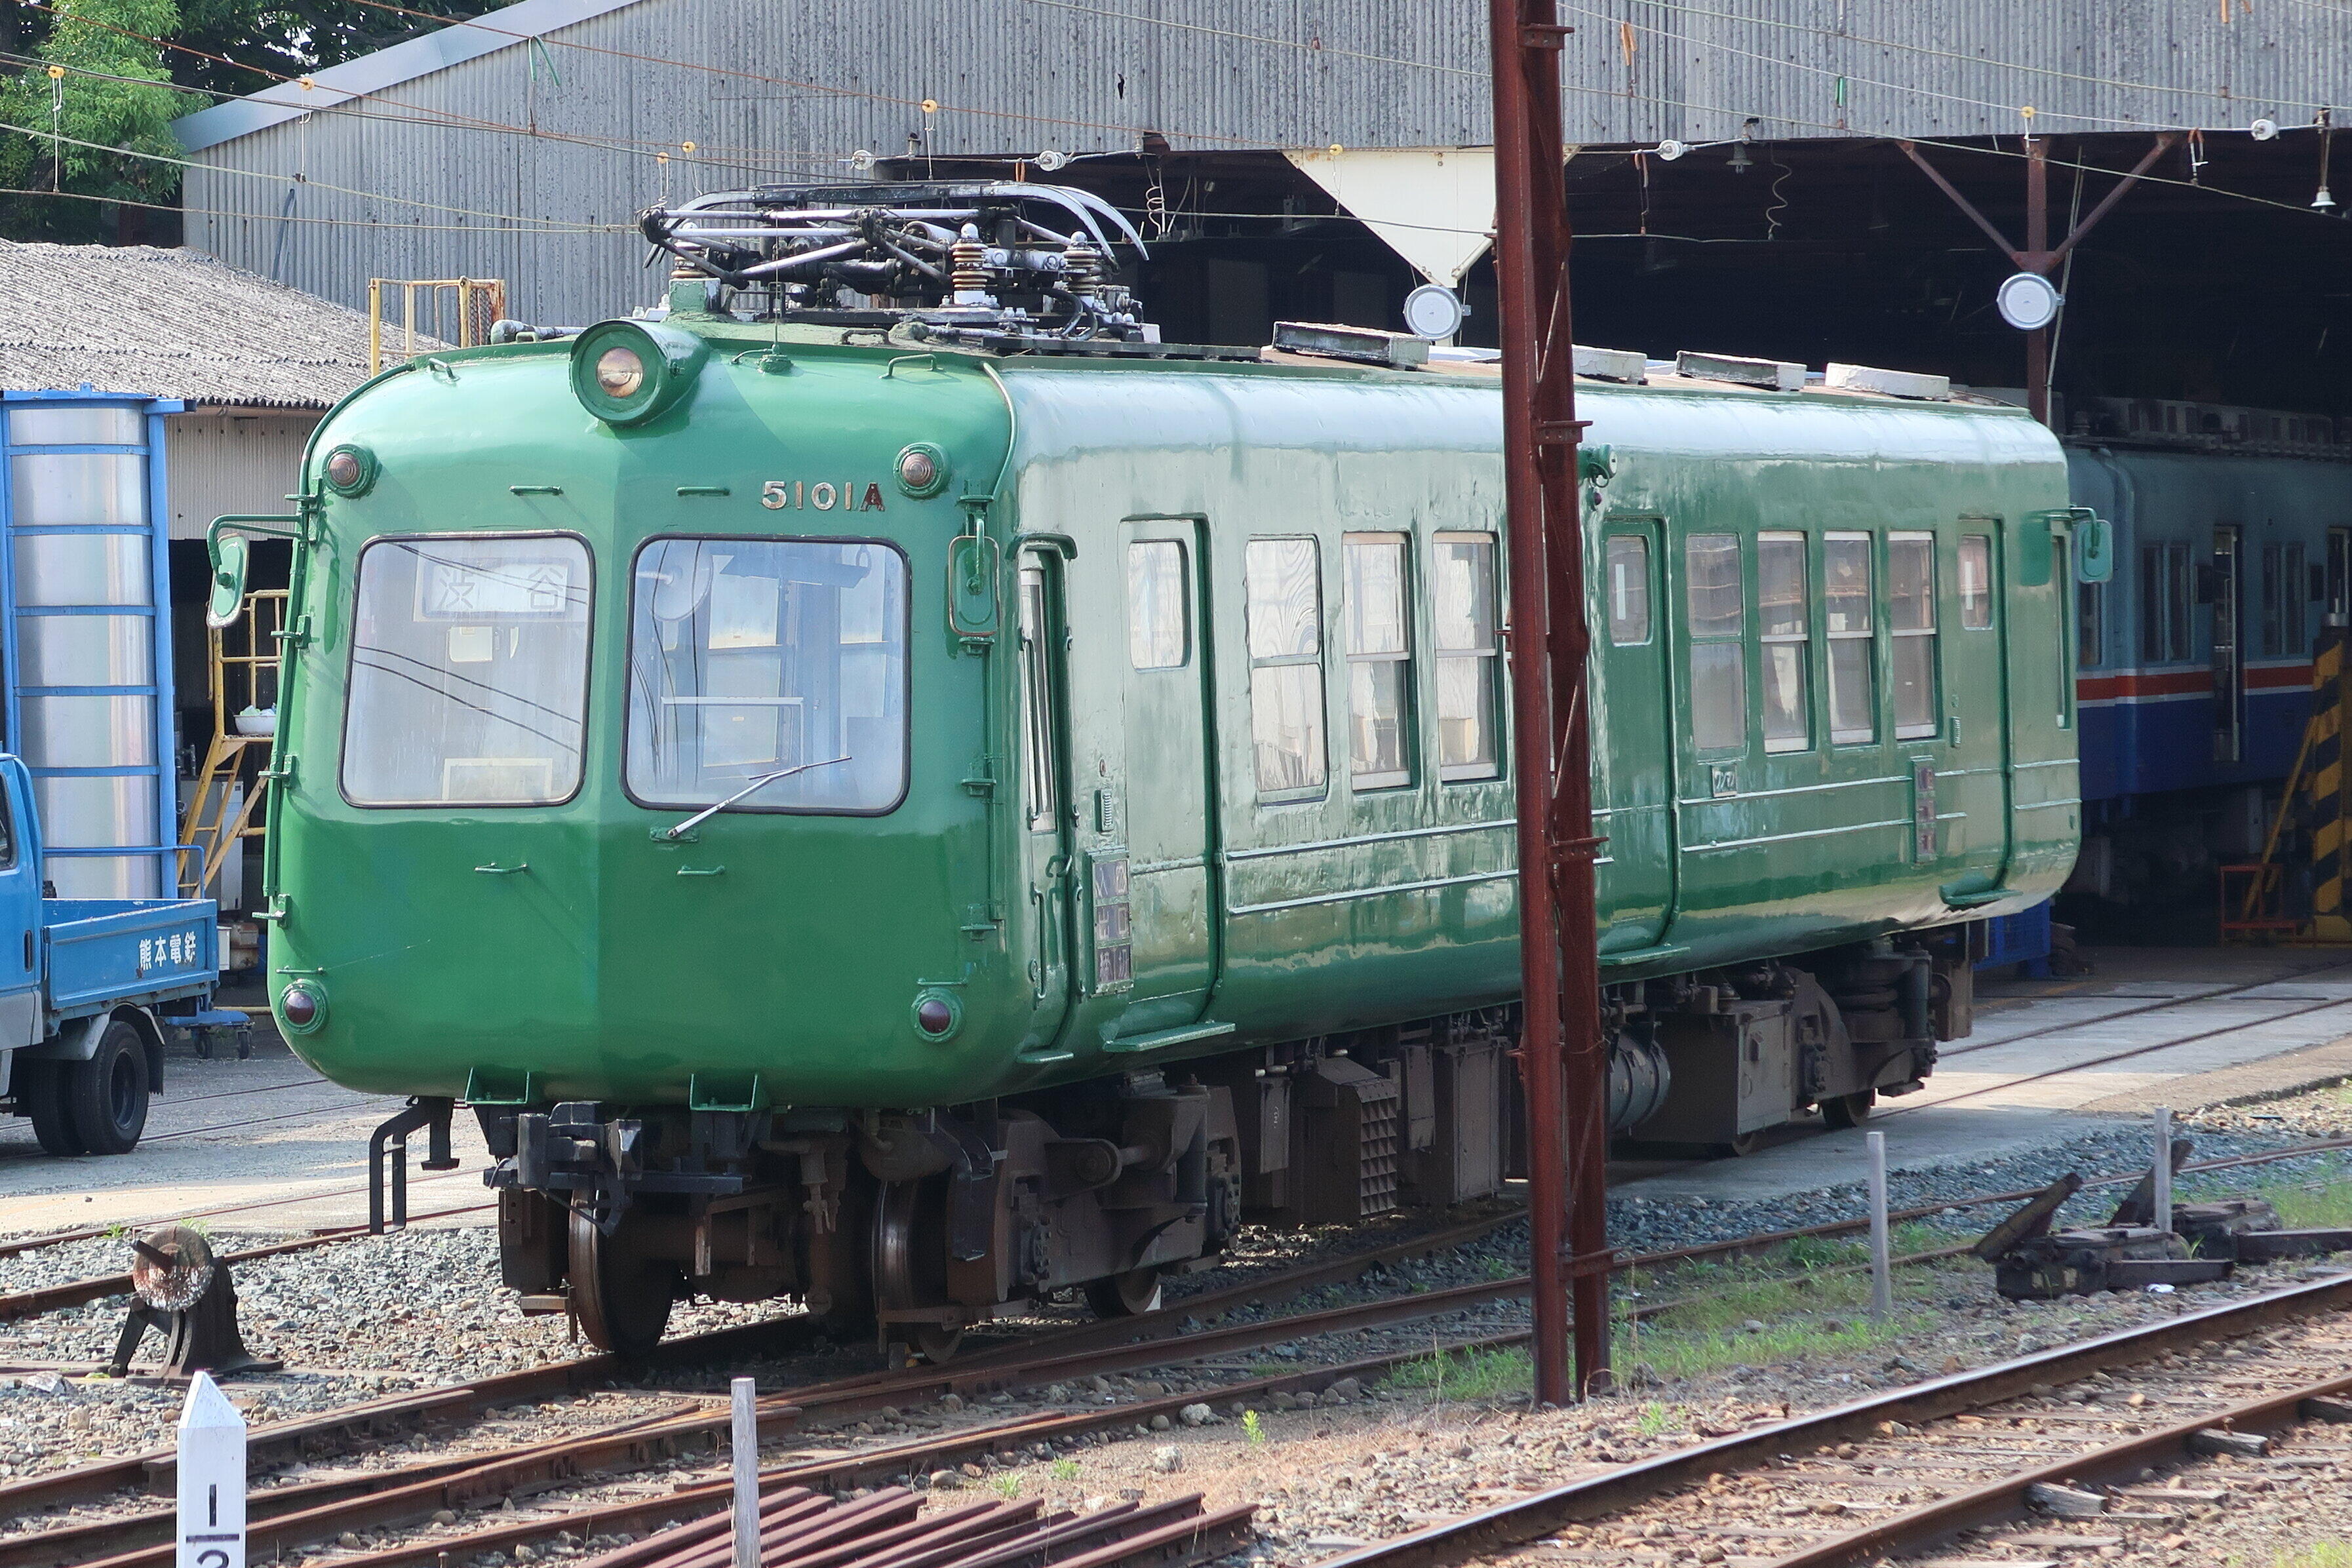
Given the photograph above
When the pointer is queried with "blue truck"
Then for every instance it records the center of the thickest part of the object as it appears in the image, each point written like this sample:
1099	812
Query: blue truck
87	987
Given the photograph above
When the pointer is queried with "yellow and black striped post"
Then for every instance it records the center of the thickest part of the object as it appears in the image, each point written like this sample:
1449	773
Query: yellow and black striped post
2324	783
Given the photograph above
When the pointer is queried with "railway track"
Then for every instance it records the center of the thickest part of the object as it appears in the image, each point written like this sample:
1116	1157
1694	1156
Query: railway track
1924	1463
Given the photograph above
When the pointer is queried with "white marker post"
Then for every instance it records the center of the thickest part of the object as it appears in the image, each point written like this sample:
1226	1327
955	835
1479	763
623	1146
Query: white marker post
1881	1277
746	1444
2163	1168
212	1478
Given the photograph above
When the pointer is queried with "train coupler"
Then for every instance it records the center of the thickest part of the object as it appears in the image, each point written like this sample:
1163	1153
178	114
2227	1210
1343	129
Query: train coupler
431	1112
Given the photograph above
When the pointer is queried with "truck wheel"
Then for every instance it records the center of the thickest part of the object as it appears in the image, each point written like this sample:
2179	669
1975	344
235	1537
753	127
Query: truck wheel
106	1096
43	1096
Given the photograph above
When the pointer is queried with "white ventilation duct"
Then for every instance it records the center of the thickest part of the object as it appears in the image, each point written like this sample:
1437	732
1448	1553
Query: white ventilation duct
1432	206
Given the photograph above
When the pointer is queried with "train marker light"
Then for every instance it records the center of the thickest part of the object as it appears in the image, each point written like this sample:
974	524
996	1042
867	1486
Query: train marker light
302	1006
351	470
922	470
937	1015
626	373
2027	301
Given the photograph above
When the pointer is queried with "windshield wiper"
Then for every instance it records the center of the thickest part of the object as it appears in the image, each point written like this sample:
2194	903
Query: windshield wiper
707	812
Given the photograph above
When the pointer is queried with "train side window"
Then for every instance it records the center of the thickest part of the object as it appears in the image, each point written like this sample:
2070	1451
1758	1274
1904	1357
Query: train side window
1976	582
1285	592
2090	624
1469	662
1380	661
2164	597
1784	594
1628	589
1911	620
2273	593
1718	655
2339	574
1158	634
1847	595
2294	602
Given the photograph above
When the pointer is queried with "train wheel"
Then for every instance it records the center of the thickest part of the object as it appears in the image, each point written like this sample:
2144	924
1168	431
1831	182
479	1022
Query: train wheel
106	1096
1745	1144
43	1095
622	1295
910	1263
1128	1295
1849	1109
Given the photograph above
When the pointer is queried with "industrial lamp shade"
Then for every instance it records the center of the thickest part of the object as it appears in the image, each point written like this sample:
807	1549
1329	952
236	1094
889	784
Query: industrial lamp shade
2027	301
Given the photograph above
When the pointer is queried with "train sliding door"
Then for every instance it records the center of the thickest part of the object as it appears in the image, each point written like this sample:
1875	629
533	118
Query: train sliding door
1633	733
2229	646
1169	810
1044	789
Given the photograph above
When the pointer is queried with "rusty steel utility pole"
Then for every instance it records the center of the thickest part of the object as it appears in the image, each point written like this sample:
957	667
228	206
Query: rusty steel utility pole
1562	1060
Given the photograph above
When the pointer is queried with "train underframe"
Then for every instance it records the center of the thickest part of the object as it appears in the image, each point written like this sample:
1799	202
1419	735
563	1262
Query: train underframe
912	1226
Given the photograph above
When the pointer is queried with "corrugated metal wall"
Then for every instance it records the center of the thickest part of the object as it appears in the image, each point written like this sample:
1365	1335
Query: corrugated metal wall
223	463
530	162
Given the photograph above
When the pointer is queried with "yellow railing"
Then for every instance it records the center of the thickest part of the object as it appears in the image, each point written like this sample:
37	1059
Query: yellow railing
456	312
222	808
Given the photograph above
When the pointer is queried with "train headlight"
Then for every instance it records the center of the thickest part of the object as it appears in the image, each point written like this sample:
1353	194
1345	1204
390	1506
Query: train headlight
302	1006
626	373
619	373
922	470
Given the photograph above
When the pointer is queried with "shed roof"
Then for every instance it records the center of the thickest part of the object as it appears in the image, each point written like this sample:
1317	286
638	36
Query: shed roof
170	323
405	62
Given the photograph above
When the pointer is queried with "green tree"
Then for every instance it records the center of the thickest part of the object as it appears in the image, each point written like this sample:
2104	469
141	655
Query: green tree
124	63
95	78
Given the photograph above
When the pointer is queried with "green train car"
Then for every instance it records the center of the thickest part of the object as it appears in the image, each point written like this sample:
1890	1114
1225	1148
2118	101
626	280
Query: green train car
884	784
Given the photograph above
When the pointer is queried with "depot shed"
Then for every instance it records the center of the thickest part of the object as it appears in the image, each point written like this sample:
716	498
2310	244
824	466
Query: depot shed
145	391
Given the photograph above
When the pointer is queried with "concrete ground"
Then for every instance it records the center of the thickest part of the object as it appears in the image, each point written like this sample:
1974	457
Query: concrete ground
2052	1059
227	1132
2048	1060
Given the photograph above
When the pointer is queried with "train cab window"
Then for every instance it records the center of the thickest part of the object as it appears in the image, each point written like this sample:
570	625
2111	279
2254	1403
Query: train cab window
1784	593
1718	655
1469	658
1628	587
1158	633
773	666
1285	593
1380	661
1911	621
1976	582
1850	603
469	671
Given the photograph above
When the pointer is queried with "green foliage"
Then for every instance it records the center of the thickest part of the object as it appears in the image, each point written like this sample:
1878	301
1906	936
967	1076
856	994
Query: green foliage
2318	1554
1064	1470
1656	1419
110	88
1252	1428
125	65
1006	1486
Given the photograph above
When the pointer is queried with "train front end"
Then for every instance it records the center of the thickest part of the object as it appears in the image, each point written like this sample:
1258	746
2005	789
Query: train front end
635	785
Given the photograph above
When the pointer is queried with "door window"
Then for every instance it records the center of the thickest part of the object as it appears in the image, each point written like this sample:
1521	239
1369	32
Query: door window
1628	568
1911	620
1041	785
1976	582
1469	661
469	671
1158	608
1849	602
1718	658
1285	590
1783	610
1380	661
2163	604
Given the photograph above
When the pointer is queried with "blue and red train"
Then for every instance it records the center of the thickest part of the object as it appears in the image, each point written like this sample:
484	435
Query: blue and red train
2233	536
